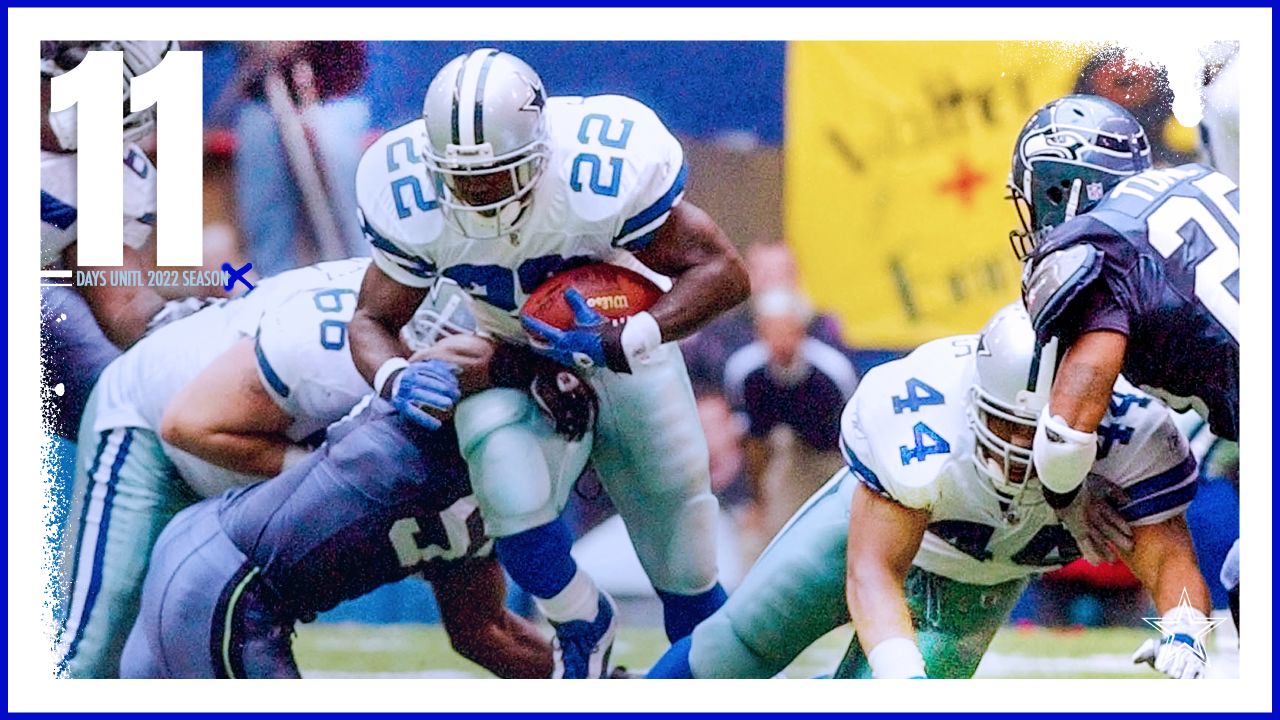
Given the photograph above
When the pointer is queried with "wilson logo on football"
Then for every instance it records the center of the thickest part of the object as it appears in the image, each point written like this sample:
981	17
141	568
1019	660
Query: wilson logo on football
609	302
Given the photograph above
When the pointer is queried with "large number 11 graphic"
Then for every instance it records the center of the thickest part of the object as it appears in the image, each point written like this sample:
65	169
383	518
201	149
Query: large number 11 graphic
175	86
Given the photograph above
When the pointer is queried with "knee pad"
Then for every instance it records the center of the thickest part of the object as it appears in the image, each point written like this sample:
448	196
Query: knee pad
521	470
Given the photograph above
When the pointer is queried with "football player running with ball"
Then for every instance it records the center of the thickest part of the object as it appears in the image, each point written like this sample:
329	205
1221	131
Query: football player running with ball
927	539
498	187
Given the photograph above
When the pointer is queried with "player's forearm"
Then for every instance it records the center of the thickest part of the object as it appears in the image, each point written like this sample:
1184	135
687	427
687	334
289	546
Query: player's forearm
1164	560
510	647
260	454
373	342
1082	387
124	317
708	273
877	604
699	294
254	454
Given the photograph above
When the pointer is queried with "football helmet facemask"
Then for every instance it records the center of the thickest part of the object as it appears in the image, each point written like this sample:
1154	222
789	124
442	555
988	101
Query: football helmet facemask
445	311
1011	386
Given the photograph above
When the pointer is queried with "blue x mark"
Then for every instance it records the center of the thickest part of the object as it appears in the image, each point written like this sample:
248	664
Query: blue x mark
236	275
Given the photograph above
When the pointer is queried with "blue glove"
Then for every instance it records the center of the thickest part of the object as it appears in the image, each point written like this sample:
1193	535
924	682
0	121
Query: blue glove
425	390
592	342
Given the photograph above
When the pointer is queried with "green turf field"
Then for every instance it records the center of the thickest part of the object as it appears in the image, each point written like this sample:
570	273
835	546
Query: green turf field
353	650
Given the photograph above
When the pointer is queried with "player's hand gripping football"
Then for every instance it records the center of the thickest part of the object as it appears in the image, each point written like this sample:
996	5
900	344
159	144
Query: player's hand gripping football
592	342
1094	521
425	392
568	400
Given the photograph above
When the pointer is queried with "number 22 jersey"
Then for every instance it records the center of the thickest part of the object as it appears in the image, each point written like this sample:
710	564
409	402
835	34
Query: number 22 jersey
612	178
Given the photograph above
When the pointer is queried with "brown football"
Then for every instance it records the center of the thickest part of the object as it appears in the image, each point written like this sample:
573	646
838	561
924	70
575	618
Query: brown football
613	291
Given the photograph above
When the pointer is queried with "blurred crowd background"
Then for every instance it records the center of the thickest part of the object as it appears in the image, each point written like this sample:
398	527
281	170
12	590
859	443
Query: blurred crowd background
863	182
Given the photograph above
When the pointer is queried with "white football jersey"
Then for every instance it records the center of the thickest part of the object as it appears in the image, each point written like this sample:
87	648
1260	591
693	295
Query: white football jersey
612	178
135	389
905	434
304	360
58	227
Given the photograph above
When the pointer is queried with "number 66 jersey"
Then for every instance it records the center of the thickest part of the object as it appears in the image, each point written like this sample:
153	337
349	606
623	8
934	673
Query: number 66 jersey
612	177
1159	261
906	435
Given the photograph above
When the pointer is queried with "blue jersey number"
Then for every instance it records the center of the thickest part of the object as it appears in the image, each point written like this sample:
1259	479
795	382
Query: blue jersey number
496	284
919	394
333	332
1115	432
927	442
1051	545
593	163
408	187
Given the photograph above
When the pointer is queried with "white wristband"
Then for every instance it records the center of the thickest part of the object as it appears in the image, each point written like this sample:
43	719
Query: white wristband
1183	620
640	336
390	366
293	454
1062	454
896	658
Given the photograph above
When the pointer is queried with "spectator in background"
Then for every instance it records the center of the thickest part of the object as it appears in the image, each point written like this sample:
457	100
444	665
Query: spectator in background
790	389
299	141
770	265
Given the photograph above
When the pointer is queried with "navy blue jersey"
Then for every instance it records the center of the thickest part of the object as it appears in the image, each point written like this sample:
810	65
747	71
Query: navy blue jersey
381	499
1158	260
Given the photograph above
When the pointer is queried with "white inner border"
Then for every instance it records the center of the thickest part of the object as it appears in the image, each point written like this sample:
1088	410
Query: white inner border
31	689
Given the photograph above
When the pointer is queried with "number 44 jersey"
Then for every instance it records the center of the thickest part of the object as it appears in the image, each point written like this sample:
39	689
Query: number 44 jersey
906	435
612	177
1158	260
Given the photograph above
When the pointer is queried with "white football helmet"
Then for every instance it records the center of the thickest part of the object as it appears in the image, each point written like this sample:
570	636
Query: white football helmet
1010	388
487	141
446	311
57	58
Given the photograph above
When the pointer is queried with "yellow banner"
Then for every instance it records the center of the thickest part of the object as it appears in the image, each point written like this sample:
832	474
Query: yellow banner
897	155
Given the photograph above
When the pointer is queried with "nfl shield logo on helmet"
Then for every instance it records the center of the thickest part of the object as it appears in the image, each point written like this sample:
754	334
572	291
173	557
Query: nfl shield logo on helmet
1094	191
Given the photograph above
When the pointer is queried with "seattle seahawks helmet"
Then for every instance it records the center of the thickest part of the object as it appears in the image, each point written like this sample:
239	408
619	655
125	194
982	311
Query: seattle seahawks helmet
1070	154
57	58
1010	388
487	141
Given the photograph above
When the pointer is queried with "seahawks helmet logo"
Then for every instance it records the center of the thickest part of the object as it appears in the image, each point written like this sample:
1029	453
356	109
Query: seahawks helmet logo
1052	144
